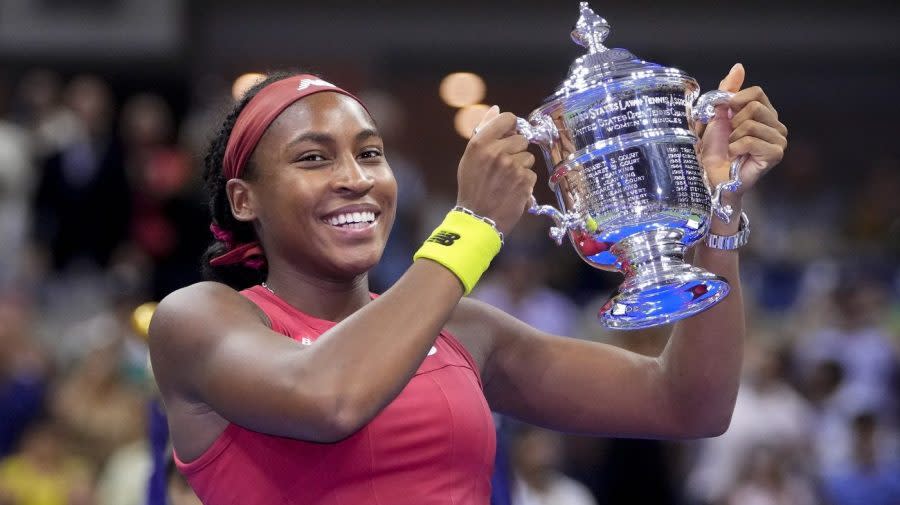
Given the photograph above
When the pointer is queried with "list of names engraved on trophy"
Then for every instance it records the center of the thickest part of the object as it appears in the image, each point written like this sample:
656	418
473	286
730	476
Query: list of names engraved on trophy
687	179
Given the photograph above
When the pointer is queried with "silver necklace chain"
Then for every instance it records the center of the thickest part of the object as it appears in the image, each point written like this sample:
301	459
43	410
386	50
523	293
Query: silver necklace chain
268	288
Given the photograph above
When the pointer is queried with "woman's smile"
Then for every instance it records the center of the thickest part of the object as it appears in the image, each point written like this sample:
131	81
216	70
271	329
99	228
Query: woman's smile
354	221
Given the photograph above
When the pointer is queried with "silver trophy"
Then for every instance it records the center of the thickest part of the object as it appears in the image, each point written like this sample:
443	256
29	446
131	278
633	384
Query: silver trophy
617	140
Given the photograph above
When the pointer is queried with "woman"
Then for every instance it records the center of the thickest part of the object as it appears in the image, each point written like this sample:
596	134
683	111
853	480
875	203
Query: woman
386	400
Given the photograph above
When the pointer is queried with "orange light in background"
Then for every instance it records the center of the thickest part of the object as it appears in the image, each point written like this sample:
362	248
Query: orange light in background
461	89
244	82
140	319
468	118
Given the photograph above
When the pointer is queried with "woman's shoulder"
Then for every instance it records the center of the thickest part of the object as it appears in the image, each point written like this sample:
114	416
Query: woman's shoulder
202	288
196	299
201	309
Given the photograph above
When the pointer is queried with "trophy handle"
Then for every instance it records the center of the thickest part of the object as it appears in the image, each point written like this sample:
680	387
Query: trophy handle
543	132
540	131
564	221
704	111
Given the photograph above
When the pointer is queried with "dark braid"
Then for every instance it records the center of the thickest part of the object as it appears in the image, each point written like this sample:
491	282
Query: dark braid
237	276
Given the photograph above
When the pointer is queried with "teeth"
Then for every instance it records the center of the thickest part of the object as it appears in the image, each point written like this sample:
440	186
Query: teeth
352	217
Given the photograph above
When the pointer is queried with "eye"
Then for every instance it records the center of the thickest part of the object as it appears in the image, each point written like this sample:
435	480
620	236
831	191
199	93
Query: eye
371	153
311	157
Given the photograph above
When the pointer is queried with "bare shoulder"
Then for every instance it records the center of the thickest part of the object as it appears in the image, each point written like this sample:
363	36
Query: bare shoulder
188	323
197	300
195	309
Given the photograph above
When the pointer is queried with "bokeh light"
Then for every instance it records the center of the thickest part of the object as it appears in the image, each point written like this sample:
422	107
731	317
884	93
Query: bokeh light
462	89
140	318
244	82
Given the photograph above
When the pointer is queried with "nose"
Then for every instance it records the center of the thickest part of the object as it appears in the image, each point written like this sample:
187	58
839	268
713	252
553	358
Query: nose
352	178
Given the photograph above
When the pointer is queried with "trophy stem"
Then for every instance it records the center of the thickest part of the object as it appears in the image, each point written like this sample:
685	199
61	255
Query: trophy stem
660	287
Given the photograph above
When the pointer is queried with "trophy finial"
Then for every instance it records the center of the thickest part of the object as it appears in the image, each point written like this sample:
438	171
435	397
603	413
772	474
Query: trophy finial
591	30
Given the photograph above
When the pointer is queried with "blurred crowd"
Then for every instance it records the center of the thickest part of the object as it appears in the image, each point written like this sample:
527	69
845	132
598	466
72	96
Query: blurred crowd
101	209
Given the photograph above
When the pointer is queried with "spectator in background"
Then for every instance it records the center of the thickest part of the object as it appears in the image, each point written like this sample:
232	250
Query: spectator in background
787	242
831	432
98	407
871	477
39	108
855	338
537	479
82	199
111	326
44	471
768	480
135	473
16	183
23	373
768	411
125	476
166	209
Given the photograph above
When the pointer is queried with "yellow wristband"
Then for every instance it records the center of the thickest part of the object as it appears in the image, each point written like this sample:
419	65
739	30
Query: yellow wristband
463	243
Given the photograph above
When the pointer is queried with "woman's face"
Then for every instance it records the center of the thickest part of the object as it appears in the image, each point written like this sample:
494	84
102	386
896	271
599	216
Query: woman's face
323	195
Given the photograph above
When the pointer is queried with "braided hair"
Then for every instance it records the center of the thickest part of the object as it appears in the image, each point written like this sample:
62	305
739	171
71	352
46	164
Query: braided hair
237	276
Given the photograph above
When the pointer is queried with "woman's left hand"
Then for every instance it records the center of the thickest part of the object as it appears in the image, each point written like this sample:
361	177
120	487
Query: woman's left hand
753	129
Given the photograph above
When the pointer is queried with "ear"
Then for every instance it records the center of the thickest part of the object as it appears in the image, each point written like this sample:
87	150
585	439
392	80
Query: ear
241	199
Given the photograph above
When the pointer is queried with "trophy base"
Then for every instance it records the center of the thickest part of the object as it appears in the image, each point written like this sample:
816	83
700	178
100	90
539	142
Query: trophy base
659	287
665	304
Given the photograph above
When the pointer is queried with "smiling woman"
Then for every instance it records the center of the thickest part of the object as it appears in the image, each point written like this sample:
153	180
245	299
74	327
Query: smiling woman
287	381
267	131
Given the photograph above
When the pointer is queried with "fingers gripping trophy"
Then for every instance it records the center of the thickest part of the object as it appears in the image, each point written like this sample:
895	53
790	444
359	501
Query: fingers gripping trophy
617	139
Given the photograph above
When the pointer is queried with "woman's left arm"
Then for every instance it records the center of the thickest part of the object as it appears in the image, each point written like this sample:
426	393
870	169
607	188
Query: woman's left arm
689	390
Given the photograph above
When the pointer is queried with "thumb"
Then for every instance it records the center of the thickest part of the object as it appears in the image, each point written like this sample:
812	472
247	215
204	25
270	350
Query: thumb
734	80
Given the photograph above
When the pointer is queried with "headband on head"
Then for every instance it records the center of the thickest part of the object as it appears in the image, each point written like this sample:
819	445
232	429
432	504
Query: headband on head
249	127
262	109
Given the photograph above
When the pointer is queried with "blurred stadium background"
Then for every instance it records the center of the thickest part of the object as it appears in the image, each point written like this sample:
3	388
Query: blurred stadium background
105	109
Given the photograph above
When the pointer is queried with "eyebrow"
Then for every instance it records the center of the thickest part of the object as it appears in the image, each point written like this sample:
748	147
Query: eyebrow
366	133
324	138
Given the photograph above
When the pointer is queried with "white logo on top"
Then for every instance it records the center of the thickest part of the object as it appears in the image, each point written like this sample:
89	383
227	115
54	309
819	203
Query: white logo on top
305	83
306	341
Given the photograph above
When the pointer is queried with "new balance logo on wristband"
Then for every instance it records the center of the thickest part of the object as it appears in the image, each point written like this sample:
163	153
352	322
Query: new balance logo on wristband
444	237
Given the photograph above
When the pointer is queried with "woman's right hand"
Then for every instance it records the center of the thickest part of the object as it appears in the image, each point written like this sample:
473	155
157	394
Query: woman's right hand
495	178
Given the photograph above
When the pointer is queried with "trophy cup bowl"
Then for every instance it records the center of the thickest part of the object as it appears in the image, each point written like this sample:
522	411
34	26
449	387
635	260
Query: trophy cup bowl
618	142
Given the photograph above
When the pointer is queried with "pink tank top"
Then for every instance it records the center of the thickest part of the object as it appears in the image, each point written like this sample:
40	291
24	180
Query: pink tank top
434	444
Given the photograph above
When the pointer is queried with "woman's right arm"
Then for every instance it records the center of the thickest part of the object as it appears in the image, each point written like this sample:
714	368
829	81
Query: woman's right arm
211	345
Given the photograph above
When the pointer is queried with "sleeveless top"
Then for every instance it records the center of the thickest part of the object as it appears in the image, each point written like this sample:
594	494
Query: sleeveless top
434	444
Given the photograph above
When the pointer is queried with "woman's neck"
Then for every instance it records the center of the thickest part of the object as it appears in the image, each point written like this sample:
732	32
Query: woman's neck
331	300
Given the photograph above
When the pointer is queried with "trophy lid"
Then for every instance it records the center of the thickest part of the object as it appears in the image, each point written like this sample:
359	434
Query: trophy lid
601	65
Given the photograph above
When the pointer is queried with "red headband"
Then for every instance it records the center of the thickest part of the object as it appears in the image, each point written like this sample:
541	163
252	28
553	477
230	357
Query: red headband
250	126
259	113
